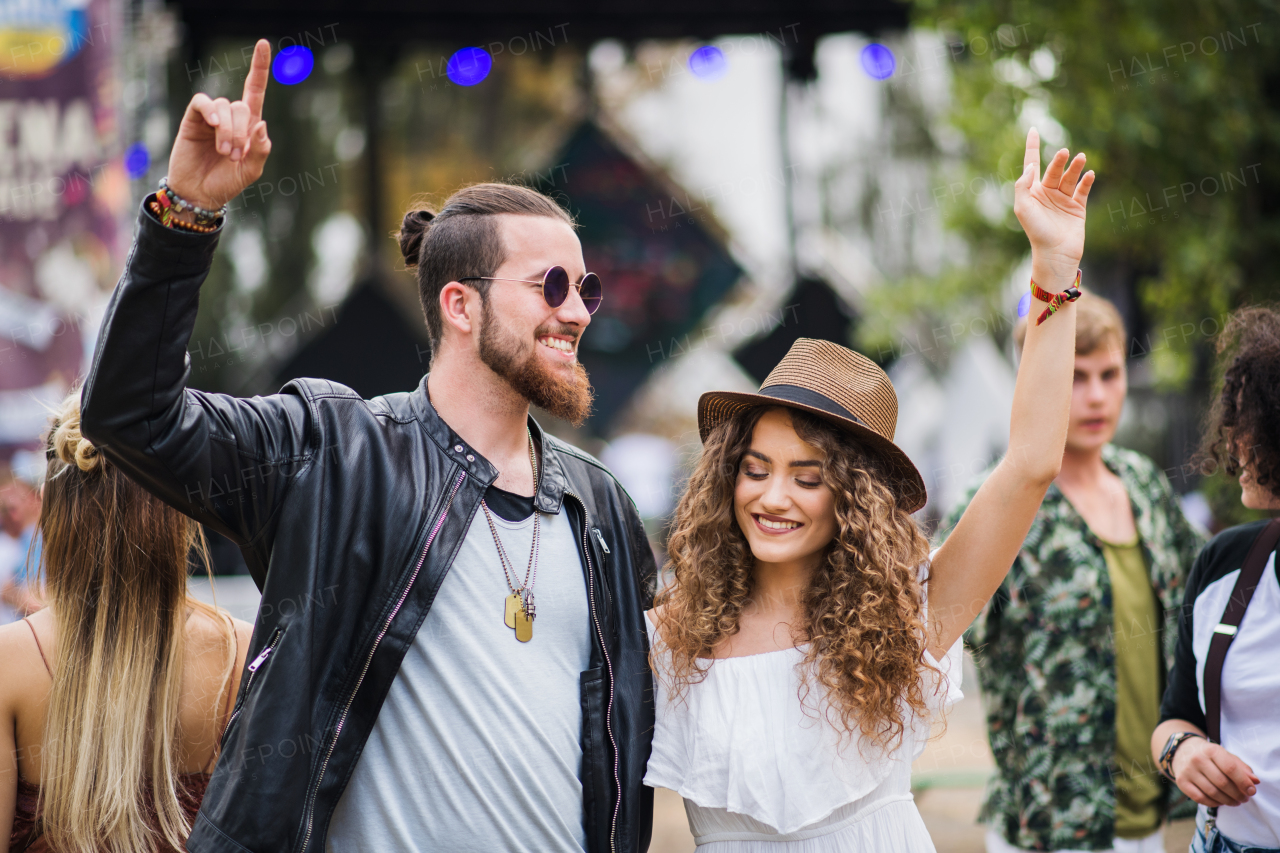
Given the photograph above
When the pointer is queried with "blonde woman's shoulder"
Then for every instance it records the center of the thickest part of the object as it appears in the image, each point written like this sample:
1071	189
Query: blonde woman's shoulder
213	659
207	643
22	671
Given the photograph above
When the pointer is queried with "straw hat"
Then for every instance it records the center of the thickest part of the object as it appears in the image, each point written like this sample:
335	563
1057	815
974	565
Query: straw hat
840	386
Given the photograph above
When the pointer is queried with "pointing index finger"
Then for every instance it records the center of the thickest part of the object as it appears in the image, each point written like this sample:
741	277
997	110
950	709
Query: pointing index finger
1032	155
255	83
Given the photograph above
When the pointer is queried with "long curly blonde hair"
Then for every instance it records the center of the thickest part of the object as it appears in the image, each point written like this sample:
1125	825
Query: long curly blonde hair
862	610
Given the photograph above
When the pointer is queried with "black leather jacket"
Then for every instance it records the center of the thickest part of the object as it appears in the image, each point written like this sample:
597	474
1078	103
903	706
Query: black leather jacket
349	513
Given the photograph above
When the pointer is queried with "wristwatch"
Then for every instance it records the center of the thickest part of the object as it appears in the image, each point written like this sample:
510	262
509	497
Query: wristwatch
1170	747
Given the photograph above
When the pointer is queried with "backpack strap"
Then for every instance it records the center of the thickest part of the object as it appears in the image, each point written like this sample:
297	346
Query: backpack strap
1225	632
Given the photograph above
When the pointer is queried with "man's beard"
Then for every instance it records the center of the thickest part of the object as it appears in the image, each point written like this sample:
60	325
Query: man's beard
567	398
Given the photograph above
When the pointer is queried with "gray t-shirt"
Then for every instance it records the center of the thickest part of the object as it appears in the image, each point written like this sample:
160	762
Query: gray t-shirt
477	746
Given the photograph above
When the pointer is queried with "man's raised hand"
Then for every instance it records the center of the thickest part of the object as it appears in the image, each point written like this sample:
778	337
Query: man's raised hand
222	145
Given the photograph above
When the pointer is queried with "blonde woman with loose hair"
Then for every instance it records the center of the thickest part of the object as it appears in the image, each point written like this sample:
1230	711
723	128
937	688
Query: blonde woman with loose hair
113	698
805	637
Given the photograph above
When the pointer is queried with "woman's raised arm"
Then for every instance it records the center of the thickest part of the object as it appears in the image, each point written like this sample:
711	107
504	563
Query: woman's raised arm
970	565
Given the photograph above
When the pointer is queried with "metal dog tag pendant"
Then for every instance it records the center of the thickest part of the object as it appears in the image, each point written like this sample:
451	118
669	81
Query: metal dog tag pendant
524	626
514	606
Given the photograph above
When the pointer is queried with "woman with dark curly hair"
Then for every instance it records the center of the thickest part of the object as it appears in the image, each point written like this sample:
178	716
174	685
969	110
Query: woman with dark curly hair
1217	740
798	665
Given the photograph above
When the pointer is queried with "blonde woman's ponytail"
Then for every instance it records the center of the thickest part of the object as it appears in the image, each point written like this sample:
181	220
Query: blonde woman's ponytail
66	441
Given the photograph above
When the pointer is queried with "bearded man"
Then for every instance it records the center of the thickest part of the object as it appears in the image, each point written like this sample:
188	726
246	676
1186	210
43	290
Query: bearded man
451	650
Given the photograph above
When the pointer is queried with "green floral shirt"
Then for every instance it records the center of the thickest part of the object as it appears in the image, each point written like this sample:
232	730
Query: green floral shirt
1046	661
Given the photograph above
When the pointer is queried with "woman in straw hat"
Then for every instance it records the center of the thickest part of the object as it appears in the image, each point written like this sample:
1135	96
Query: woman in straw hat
805	636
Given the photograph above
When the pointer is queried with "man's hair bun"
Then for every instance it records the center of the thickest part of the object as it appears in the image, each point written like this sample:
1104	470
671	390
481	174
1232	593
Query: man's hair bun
412	230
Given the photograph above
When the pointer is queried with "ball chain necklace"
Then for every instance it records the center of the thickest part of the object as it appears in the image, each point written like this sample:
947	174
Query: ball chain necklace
519	609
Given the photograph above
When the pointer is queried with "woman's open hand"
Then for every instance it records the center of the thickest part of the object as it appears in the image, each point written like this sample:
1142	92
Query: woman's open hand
1052	210
222	145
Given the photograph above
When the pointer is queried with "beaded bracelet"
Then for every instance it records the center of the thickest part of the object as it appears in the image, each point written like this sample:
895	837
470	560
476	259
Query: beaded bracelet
168	198
168	217
1055	300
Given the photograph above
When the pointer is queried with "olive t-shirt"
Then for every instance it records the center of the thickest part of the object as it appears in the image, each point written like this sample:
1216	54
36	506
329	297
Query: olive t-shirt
1138	666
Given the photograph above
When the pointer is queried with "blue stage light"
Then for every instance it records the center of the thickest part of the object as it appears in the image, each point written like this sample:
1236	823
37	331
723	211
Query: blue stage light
708	62
137	160
878	61
469	66
293	65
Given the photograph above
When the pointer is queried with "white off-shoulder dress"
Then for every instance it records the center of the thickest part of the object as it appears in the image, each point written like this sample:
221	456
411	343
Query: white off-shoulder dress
759	773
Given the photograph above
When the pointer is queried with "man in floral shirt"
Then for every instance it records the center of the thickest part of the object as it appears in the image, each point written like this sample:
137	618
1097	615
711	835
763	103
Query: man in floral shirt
1073	649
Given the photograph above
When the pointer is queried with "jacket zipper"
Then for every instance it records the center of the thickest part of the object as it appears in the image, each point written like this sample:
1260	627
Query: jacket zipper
595	620
608	597
311	799
600	539
253	668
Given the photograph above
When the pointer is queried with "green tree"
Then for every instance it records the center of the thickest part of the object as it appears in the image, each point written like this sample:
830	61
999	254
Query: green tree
1177	106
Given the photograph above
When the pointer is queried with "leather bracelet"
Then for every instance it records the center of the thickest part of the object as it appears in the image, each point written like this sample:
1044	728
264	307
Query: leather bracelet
168	218
168	198
1055	300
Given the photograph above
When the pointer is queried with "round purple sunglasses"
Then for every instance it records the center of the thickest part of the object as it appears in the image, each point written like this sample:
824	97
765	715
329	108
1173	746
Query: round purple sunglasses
555	287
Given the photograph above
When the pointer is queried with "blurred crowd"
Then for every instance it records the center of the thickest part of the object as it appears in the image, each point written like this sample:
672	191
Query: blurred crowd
20	481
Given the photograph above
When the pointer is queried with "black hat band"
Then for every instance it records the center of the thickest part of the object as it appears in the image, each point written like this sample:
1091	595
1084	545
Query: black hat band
807	397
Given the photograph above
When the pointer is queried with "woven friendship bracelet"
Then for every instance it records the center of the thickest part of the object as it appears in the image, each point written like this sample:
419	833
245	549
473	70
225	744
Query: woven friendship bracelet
1055	300
169	199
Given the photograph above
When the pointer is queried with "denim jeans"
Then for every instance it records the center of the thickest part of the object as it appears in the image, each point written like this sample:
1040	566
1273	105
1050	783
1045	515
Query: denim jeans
1219	843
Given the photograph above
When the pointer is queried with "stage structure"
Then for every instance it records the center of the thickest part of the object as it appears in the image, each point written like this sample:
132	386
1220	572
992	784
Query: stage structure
381	30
